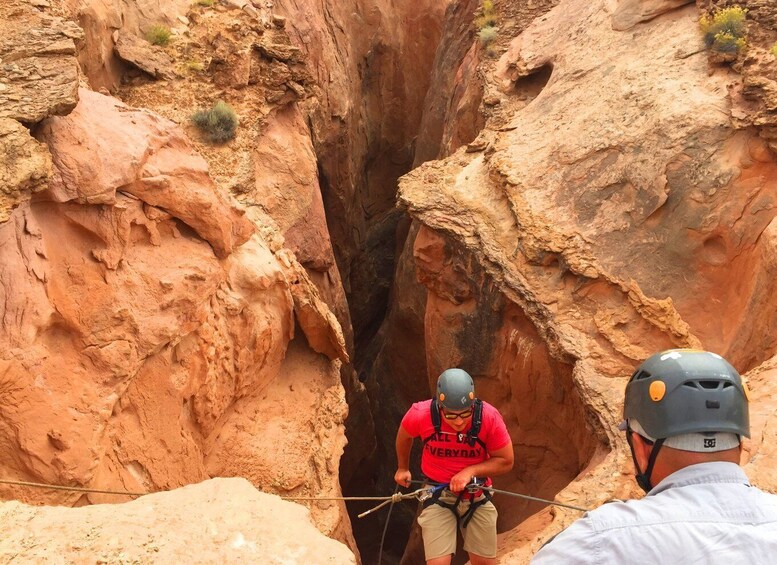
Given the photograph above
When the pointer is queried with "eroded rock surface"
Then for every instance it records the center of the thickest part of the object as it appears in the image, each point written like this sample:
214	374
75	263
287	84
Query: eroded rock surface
148	58
149	320
610	217
25	166
216	521
39	73
106	21
155	168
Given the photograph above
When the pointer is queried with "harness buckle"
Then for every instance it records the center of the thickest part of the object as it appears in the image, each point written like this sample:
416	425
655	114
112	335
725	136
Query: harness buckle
475	485
425	494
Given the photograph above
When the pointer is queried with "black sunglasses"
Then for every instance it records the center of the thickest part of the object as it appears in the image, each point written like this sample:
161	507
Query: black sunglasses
453	415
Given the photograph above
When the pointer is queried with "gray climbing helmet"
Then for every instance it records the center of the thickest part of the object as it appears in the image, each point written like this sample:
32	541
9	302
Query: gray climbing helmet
455	390
683	391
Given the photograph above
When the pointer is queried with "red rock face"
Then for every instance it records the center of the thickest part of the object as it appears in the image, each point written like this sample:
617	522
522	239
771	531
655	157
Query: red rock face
100	288
367	116
451	116
103	20
470	324
608	212
146	325
156	166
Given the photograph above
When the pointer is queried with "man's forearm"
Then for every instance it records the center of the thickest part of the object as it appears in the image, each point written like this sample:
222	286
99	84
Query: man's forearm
403	447
491	467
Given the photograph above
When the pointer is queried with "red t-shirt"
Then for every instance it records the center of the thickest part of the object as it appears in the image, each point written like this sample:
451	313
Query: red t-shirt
448	453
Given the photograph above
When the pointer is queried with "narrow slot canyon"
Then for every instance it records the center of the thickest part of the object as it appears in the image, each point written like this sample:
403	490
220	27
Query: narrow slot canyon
407	331
214	334
458	317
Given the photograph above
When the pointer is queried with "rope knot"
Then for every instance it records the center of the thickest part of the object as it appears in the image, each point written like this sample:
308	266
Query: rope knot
396	497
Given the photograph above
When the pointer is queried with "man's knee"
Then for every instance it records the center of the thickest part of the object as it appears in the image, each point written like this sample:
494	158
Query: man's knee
480	560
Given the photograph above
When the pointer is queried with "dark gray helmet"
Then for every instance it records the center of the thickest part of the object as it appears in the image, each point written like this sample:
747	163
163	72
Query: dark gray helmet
455	389
682	391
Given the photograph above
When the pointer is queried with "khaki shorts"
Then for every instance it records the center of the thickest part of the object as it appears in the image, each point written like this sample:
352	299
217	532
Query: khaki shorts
438	526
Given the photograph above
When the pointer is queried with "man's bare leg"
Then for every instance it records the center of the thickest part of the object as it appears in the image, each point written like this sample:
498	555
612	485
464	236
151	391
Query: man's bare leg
478	560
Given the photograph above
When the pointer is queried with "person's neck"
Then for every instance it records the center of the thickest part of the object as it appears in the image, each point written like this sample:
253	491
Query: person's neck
671	460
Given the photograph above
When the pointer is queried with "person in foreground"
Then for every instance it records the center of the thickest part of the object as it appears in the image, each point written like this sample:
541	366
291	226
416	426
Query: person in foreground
463	438
685	414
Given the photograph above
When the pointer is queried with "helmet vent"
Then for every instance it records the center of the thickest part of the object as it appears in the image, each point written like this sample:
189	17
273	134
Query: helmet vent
642	375
710	385
690	384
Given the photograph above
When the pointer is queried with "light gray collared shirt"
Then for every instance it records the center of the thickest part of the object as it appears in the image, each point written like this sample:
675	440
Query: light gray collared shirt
700	515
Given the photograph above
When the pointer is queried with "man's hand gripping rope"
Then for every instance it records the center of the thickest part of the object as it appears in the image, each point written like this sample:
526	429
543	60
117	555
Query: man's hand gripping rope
422	494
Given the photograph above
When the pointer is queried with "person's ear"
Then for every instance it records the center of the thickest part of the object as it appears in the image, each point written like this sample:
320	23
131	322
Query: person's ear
641	450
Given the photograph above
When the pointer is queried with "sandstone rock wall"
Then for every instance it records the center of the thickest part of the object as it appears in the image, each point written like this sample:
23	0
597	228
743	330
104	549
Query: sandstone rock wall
614	205
104	20
173	307
372	86
220	520
147	323
242	53
39	78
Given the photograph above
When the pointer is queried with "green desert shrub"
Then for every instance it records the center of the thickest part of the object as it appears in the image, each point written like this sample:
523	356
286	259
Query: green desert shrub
486	23
773	50
204	3
158	35
725	30
487	35
487	18
218	124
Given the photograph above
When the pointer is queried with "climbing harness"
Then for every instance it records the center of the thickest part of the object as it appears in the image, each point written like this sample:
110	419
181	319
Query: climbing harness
471	492
518	495
468	493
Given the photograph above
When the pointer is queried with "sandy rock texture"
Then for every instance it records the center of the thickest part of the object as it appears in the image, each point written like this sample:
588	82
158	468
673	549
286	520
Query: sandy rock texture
755	97
147	327
105	22
327	121
612	207
364	120
39	78
448	118
25	168
216	521
39	72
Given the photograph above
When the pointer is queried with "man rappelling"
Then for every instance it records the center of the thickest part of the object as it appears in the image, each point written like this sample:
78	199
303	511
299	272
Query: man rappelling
464	438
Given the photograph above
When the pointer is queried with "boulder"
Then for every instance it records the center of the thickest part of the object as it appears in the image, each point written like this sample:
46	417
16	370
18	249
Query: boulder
25	166
39	72
145	56
216	521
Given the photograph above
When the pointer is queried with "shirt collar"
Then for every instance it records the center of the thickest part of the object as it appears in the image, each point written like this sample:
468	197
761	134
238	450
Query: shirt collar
702	473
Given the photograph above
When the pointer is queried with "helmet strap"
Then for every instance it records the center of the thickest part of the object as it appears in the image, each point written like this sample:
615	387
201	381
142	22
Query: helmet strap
643	479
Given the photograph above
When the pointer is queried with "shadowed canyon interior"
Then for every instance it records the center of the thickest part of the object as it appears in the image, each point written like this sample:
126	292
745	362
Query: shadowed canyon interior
540	192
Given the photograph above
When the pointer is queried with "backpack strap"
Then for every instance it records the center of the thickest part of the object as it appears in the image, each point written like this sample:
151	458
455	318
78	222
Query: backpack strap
434	411
477	422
